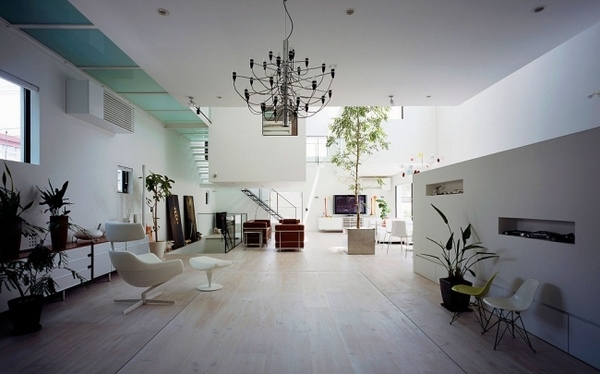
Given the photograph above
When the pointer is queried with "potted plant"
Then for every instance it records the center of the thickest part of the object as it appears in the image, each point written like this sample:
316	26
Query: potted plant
359	129
160	187
384	210
458	258
32	278
59	225
12	224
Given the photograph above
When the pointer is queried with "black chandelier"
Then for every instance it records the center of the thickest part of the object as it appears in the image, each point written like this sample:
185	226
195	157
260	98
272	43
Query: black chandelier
284	88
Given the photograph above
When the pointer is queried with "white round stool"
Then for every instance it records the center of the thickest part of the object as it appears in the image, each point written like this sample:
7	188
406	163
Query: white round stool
209	265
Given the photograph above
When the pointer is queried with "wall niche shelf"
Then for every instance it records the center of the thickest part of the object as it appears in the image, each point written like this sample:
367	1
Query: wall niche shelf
445	188
550	230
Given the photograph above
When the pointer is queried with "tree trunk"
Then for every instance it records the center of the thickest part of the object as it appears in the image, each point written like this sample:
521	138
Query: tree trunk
356	164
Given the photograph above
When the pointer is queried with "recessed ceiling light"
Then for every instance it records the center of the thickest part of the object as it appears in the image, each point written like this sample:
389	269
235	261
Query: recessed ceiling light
538	9
350	11
163	12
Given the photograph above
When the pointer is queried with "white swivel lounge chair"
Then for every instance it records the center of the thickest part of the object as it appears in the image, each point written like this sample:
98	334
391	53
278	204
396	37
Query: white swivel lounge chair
145	270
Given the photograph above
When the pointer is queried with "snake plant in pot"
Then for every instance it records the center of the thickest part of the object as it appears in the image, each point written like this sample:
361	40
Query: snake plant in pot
458	256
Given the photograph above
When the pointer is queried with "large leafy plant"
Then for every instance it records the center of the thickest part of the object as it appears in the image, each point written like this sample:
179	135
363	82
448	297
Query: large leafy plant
359	129
160	187
11	208
457	256
55	199
384	210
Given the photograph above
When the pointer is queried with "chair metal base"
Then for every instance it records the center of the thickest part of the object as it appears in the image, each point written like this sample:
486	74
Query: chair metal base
144	300
480	313
511	325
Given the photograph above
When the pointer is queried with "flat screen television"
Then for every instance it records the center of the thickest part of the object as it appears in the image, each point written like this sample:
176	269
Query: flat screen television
346	204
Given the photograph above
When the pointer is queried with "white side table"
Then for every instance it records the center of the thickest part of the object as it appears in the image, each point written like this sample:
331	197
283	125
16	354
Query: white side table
209	265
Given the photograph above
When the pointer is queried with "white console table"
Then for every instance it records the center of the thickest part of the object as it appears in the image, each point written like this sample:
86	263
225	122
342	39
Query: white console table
337	223
331	224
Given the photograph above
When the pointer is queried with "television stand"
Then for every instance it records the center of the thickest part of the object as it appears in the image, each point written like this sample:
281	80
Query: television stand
338	223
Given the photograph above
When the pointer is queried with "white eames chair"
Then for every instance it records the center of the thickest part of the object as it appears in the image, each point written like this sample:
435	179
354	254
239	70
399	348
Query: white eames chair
508	310
398	231
145	270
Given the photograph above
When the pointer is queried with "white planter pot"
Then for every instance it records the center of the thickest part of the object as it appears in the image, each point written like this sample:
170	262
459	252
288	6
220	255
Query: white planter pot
158	248
361	241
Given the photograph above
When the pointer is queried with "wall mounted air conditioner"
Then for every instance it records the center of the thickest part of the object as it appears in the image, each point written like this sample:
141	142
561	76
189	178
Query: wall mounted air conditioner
371	183
88	101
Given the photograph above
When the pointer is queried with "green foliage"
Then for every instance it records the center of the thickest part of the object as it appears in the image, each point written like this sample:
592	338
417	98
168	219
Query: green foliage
160	187
11	208
384	209
361	133
55	199
458	256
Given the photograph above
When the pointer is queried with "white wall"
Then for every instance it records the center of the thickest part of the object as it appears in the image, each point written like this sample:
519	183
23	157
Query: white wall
239	153
242	157
549	181
86	155
552	180
543	100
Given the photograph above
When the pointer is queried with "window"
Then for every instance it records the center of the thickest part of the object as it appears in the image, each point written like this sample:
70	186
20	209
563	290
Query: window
404	202
316	149
16	109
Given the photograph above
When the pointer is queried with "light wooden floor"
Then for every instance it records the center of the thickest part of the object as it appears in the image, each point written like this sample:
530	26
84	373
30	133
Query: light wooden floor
315	311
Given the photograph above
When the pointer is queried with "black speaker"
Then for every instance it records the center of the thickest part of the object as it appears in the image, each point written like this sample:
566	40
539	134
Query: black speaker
221	220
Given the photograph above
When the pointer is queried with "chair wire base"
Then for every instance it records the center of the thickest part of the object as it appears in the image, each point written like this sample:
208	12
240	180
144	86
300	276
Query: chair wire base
480	313
511	325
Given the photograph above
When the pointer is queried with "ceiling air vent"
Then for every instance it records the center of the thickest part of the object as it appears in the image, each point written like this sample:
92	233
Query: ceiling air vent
88	101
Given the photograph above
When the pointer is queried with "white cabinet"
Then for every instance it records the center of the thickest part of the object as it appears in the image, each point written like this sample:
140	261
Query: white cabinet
350	221
330	224
338	223
101	260
137	247
78	259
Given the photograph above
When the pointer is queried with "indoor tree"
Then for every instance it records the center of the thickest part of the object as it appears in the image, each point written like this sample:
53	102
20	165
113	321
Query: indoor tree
359	133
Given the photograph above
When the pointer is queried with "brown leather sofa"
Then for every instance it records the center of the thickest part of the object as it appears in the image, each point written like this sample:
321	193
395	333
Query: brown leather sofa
289	235
263	225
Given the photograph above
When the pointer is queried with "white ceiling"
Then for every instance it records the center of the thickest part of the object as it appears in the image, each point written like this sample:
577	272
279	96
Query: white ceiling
447	49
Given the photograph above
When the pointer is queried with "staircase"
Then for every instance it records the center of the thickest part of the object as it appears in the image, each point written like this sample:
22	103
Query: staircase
199	148
262	204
